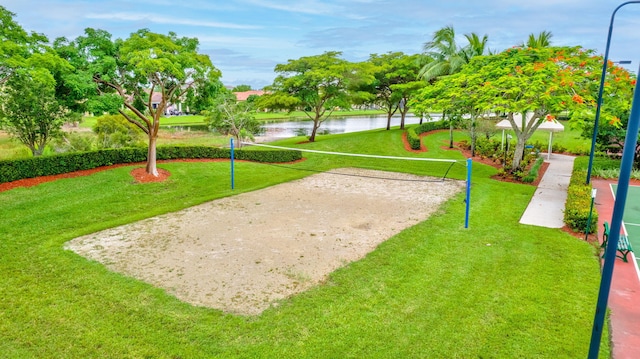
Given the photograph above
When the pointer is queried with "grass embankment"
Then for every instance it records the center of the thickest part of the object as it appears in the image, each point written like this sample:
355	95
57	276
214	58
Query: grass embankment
498	289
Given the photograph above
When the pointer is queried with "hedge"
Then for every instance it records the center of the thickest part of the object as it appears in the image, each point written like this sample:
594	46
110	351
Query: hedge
576	213
13	170
414	132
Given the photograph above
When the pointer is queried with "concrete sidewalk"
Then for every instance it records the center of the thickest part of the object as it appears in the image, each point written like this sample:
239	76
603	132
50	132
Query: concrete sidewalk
546	208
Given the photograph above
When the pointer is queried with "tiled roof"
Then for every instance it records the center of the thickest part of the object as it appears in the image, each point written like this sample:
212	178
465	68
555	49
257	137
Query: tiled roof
242	96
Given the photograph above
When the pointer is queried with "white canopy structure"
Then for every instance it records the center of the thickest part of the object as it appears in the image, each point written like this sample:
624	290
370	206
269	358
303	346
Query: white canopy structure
546	125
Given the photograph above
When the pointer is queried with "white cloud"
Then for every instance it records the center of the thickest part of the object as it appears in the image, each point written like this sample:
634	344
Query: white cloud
312	7
159	19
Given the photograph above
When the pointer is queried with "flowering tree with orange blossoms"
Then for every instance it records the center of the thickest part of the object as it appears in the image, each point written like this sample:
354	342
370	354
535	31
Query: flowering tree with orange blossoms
614	113
540	82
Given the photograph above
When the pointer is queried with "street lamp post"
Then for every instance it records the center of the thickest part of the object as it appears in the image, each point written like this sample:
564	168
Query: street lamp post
626	166
599	104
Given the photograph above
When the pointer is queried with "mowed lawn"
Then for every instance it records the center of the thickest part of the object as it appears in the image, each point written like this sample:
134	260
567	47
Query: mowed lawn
498	289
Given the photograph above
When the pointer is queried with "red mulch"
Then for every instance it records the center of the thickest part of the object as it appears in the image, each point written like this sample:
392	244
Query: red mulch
477	159
139	174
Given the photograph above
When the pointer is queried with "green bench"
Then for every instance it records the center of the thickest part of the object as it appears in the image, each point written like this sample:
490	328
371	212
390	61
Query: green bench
624	247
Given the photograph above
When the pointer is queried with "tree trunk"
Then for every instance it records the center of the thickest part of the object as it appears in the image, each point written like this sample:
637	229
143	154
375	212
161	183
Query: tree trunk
517	155
151	156
389	114
316	125
403	114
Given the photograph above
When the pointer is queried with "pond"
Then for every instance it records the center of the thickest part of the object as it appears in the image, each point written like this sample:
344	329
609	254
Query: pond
279	129
285	129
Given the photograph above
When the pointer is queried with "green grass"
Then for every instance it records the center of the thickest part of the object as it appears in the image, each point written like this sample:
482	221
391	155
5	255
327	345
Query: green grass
11	149
498	289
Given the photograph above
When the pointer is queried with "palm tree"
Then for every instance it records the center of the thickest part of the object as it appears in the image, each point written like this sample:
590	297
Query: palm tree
536	42
476	46
444	57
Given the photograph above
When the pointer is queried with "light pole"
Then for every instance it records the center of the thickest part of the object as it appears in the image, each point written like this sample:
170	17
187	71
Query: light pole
626	166
599	104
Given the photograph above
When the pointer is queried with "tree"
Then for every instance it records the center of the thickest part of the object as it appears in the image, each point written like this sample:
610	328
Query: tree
17	47
203	98
541	82
614	113
536	42
30	111
445	52
445	58
241	88
316	85
394	81
114	131
458	95
234	118
131	71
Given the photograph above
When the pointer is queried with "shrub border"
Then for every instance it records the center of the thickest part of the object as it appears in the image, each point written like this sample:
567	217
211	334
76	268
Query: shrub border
576	212
13	170
414	132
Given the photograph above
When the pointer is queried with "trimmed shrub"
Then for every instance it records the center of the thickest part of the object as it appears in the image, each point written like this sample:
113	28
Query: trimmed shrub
414	132
13	170
576	213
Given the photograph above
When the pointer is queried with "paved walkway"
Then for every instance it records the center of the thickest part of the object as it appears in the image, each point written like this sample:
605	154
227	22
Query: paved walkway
546	209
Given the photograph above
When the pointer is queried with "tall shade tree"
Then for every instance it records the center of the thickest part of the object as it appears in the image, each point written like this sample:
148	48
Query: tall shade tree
394	78
541	82
316	85
144	74
29	110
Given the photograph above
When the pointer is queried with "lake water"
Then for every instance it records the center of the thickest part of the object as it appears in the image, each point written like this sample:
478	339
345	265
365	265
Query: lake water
285	129
274	130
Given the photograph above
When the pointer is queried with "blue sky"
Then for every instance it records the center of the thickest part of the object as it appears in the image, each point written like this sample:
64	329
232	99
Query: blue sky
247	38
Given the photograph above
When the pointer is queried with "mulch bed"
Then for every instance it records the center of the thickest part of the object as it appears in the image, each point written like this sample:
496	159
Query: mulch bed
139	174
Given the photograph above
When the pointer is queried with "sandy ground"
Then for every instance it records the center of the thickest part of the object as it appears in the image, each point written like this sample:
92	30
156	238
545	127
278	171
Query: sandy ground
243	254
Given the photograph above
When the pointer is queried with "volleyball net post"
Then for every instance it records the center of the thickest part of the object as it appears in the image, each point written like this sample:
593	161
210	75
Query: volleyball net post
232	165
467	199
468	165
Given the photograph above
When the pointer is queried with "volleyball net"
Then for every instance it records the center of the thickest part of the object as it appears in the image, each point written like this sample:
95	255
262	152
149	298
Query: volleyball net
441	167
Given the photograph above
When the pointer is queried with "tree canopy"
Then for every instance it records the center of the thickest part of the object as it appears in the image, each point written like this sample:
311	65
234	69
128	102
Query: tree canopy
544	82
395	79
316	85
29	109
233	118
144	73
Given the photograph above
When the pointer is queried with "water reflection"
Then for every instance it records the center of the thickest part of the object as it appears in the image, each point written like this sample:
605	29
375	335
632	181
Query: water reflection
284	129
275	130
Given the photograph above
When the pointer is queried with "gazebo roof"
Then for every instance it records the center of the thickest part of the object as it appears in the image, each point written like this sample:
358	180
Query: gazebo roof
546	125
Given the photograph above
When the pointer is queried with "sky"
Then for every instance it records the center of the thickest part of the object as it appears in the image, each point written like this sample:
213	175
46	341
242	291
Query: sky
246	39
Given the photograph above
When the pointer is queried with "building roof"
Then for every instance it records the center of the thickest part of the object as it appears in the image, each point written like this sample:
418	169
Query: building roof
242	96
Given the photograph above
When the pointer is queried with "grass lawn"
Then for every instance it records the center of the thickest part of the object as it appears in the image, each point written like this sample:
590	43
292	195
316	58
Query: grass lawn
498	289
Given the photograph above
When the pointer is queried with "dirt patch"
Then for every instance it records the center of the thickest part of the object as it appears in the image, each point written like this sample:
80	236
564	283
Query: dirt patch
244	253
